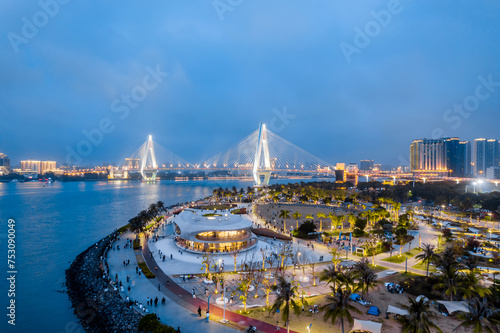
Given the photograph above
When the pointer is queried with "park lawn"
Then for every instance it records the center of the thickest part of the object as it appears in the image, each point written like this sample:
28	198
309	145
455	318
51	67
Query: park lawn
413	252
377	268
396	259
423	267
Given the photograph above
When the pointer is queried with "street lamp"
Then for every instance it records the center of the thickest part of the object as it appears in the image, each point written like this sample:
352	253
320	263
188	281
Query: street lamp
475	183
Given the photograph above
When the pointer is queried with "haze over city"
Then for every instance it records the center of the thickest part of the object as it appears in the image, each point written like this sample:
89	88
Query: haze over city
351	80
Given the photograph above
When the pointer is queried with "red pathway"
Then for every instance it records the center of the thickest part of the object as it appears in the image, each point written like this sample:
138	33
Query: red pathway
185	299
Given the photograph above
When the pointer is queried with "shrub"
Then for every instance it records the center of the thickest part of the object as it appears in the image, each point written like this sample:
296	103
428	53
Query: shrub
446	232
146	271
420	285
124	228
136	244
151	323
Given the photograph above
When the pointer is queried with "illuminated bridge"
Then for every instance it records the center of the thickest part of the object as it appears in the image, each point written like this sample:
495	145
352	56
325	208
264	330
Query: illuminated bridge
262	152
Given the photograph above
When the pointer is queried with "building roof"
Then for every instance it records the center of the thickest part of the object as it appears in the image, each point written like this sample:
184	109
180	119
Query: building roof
192	222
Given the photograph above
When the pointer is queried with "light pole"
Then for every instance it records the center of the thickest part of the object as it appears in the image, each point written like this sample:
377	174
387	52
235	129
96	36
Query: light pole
475	183
224	311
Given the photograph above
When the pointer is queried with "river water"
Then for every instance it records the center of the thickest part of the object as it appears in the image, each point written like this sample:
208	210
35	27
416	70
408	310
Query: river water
55	222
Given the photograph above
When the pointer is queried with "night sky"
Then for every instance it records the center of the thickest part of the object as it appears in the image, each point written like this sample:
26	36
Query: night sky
344	80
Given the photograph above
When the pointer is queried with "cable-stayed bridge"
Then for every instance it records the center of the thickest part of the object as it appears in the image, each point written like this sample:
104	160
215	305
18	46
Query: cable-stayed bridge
262	152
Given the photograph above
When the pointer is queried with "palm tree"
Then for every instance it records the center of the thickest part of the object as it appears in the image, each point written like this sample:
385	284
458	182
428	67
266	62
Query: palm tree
365	275
330	275
338	307
284	214
286	293
321	216
352	220
341	221
333	218
450	282
297	216
480	316
472	287
427	255
419	318
346	280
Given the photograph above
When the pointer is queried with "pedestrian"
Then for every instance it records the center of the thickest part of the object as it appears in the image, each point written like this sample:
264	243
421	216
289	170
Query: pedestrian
178	330
199	311
192	292
208	316
163	301
158	287
171	256
156	301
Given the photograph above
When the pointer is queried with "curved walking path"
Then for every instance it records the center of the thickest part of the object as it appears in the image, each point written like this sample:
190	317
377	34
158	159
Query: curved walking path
182	297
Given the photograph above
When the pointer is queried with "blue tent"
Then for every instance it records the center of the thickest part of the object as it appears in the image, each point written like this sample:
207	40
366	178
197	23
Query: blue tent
355	297
374	311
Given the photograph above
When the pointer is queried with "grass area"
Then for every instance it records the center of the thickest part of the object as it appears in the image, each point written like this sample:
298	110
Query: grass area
413	252
377	268
136	244
123	229
423	267
211	214
146	271
396	259
149	226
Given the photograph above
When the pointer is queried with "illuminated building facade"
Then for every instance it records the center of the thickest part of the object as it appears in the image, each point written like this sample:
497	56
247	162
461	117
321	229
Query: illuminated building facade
485	154
40	167
428	155
213	231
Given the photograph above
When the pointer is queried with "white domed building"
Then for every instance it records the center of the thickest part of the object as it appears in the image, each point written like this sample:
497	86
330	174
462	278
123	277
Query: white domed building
213	231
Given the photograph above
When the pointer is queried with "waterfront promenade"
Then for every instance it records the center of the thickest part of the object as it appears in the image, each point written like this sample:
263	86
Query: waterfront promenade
174	312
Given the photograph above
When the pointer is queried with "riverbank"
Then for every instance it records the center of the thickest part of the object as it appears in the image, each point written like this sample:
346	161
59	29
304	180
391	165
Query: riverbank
96	304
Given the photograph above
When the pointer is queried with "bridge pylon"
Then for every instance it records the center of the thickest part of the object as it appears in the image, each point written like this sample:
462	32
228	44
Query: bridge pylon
262	162
149	175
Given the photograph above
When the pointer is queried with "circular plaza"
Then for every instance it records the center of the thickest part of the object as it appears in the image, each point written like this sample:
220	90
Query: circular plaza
203	231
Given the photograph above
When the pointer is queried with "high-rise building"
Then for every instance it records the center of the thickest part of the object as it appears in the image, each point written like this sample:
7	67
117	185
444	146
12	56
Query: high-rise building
48	166
485	154
352	168
4	161
464	159
451	146
40	167
366	165
31	166
492	155
428	155
493	173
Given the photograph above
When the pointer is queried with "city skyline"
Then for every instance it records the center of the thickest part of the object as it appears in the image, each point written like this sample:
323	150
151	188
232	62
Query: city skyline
316	71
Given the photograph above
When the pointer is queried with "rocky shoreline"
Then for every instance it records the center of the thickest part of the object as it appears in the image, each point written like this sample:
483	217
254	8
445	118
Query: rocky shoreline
96	303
